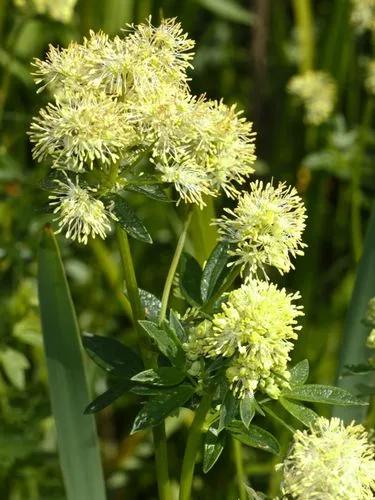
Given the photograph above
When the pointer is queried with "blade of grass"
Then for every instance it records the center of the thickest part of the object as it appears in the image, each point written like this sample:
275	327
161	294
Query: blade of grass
353	348
76	432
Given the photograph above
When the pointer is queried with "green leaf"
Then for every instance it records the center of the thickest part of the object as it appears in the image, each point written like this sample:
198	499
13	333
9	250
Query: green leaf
228	410
158	408
254	436
128	219
247	410
299	373
166	343
316	393
301	413
153	191
176	326
148	390
107	398
213	447
151	304
163	376
215	271
14	364
113	356
353	350
76	433
229	10
190	278
276	417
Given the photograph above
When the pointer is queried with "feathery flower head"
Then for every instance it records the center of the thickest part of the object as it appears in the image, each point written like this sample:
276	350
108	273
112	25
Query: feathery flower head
59	10
84	128
330	462
317	91
255	326
78	213
363	15
266	226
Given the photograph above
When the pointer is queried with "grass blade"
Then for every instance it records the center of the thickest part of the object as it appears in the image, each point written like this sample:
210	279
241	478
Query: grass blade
76	432
353	348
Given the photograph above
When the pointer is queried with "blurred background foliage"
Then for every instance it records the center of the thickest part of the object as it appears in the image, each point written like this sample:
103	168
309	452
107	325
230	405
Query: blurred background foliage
246	53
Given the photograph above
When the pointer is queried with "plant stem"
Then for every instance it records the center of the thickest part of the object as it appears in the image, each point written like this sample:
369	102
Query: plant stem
160	441
173	268
192	446
237	455
305	33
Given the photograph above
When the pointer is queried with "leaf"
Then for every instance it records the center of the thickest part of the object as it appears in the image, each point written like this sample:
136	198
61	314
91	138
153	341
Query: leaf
355	333
301	413
148	390
163	376
213	447
299	373
254	436
107	398
165	342
316	393
151	304
113	356
229	10
14	364
276	417
176	326
360	369
215	271
158	408
76	433
190	278
228	410
128	219
153	191
247	410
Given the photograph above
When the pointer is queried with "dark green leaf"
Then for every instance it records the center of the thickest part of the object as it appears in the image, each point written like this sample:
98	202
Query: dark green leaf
301	413
153	191
254	436
247	410
176	326
316	393
215	271
114	357
276	417
190	278
212	448
360	369
107	398
128	220
148	390
228	410
158	408
299	373
166	343
151	304
163	376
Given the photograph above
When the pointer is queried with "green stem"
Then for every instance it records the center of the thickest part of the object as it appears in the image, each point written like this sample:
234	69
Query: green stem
238	461
192	446
160	441
305	30
173	268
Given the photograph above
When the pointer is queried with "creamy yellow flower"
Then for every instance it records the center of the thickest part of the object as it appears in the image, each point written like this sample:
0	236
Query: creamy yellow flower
317	91
363	15
59	10
266	227
330	462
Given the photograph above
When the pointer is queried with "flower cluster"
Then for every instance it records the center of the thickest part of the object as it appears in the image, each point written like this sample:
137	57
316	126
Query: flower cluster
330	462
266	226
59	10
363	15
254	328
121	99
317	91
